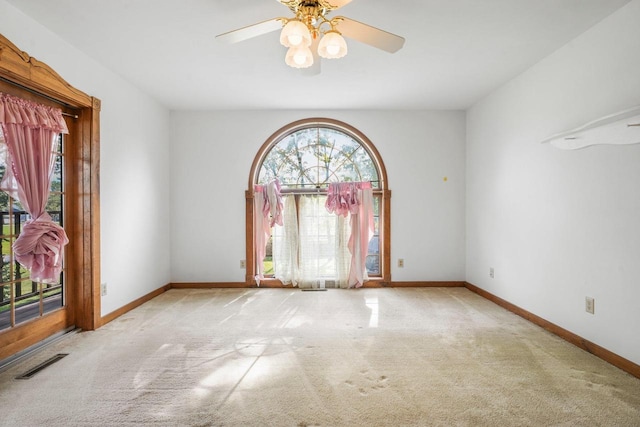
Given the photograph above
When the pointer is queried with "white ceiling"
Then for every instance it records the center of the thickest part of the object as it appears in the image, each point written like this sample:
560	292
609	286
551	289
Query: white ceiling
456	51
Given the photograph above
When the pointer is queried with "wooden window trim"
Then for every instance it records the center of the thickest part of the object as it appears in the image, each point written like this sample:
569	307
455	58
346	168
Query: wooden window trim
385	213
19	69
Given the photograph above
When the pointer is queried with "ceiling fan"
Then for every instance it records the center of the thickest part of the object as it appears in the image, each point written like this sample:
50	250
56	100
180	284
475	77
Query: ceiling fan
310	32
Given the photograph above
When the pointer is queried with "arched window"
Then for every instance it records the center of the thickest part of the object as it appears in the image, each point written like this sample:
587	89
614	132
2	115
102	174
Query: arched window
306	156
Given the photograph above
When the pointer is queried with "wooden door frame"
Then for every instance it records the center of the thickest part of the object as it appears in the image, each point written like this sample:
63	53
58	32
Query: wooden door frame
26	72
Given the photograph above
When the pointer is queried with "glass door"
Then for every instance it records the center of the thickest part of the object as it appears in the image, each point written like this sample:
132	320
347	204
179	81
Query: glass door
22	299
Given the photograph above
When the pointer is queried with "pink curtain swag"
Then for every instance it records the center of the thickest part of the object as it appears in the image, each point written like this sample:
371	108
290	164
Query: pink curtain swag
354	199
268	208
30	131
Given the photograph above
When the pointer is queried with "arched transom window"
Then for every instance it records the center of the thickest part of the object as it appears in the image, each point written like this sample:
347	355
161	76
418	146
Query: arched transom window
305	157
312	157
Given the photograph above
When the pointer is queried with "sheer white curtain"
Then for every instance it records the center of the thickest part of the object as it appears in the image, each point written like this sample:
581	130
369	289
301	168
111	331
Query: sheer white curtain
324	254
285	244
342	254
314	237
312	247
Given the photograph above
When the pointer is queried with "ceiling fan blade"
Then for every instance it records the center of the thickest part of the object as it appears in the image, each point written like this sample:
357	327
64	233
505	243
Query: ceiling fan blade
251	31
370	35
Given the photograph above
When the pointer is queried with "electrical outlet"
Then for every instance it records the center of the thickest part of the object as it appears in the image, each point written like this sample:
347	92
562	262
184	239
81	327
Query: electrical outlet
243	263
589	305
103	289
401	263
491	272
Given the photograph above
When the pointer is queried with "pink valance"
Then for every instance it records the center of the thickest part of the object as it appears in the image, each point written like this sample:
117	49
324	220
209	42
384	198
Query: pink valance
25	113
342	197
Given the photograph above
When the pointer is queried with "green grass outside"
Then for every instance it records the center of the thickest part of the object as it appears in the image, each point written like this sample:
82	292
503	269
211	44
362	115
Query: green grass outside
268	266
6	244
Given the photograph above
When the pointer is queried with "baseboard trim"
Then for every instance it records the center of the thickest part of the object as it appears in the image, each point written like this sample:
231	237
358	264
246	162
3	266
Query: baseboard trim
277	284
586	345
209	285
133	304
449	284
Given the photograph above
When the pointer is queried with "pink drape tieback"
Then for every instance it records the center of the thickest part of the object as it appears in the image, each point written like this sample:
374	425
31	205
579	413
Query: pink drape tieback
342	197
40	248
30	114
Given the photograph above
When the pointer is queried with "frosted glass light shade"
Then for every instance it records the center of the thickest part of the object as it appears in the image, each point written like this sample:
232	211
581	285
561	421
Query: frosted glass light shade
294	34
299	57
332	45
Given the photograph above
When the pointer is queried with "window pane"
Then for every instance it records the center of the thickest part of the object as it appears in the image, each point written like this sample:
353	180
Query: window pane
373	265
6	268
53	298
27	301
54	207
20	218
5	307
59	145
4	197
56	178
373	255
23	286
268	259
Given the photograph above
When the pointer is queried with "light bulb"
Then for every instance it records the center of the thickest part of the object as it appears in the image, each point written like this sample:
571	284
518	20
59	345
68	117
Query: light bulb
333	49
299	57
294	40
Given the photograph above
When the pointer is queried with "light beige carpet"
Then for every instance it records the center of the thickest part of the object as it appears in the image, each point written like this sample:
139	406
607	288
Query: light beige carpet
274	357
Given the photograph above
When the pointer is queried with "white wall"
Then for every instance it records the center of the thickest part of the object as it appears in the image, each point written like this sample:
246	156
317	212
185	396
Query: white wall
134	170
561	225
212	153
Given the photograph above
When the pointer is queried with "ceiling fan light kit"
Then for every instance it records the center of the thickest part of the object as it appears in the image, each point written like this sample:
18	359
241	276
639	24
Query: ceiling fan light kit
310	23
